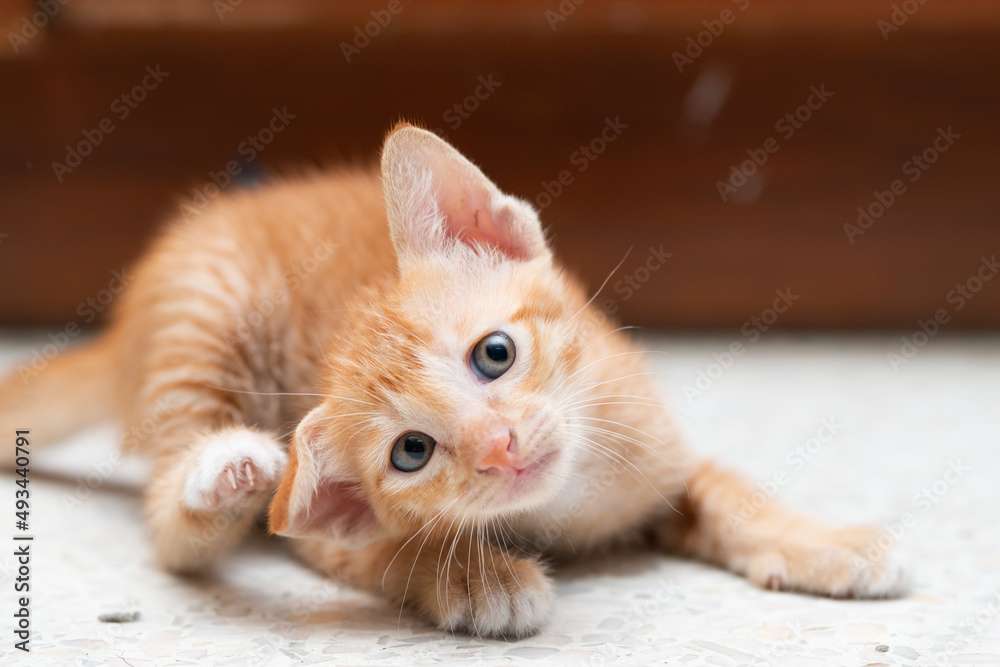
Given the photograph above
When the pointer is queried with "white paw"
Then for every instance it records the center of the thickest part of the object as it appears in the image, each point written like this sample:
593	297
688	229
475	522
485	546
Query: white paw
884	574
848	563
232	467
508	604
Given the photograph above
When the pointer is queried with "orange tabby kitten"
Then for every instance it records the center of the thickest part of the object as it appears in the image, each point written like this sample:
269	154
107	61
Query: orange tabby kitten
463	414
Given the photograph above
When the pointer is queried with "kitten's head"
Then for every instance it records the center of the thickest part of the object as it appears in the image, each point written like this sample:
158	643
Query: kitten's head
450	391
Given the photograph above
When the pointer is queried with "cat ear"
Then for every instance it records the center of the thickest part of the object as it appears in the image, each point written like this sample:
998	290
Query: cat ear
435	197
316	497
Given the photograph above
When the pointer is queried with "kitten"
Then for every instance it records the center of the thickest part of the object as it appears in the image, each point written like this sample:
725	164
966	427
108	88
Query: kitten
463	415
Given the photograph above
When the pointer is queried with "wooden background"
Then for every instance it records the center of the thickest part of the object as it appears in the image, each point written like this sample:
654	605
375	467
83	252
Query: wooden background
655	185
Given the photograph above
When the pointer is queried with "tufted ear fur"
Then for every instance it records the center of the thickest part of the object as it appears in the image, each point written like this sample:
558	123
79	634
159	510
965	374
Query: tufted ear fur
435	197
318	496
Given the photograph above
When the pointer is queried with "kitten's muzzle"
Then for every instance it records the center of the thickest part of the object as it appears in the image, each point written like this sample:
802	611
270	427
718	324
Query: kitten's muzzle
499	454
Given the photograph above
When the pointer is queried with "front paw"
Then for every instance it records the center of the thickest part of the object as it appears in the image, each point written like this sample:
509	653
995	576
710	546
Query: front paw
847	563
231	468
497	596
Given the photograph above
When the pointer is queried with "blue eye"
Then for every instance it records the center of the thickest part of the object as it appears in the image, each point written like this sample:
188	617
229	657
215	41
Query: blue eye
412	451
493	355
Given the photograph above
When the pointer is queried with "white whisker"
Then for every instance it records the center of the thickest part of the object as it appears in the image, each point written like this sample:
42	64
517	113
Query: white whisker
603	285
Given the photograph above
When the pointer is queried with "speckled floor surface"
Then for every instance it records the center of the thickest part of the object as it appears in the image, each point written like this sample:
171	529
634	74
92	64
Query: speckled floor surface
897	433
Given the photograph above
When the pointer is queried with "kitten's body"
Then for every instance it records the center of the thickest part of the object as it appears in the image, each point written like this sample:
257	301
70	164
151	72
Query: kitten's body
295	305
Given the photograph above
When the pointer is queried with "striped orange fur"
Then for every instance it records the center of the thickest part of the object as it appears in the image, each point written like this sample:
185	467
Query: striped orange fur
354	308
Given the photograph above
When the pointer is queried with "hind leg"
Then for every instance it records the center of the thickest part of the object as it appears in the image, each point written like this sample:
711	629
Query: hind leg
775	547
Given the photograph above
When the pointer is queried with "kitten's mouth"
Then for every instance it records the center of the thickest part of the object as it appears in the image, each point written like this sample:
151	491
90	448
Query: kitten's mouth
528	475
520	487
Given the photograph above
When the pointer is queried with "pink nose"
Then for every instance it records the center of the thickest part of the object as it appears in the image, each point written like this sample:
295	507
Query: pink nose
497	450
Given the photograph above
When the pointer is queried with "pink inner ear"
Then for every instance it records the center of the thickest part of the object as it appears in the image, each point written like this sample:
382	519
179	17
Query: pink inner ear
466	208
336	508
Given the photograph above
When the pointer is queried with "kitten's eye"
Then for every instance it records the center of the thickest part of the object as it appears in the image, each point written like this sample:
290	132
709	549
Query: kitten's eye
412	451
493	355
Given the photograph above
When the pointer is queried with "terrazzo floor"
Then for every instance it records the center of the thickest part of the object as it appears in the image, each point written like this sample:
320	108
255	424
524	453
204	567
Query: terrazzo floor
896	434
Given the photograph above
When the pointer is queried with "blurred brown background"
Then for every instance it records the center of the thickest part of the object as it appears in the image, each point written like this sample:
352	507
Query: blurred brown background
693	89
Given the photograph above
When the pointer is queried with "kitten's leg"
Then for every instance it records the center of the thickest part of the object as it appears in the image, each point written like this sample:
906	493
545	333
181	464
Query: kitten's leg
774	547
201	500
212	472
462	585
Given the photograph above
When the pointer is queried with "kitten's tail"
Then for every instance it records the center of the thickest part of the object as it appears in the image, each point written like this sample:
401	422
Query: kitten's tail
53	398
